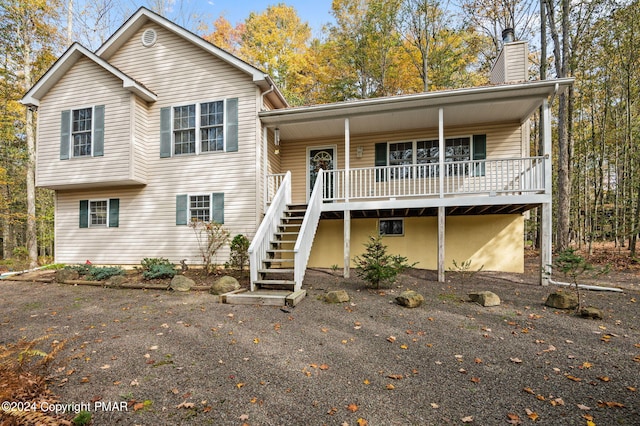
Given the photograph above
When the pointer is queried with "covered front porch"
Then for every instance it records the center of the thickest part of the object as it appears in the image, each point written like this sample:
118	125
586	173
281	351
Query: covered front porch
462	152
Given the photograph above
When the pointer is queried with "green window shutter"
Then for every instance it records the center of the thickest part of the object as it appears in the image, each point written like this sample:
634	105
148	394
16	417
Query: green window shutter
65	134
182	203
217	207
479	153
231	132
84	213
98	131
114	212
381	161
165	132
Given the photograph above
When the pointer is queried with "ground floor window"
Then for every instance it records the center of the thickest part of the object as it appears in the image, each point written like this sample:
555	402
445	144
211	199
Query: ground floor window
100	213
391	227
200	208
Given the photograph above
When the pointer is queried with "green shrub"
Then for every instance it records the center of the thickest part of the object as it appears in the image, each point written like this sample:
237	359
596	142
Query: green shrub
157	268
97	273
159	271
239	248
377	267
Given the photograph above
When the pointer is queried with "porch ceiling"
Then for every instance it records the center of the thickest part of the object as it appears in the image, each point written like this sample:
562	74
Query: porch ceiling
431	211
504	103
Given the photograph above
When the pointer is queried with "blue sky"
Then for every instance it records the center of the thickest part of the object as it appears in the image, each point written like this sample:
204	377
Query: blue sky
315	12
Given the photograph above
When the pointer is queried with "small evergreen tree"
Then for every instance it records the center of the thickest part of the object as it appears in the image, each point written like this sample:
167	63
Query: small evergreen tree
376	266
239	248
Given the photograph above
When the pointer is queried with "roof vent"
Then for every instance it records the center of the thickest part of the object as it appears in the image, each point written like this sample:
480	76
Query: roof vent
149	37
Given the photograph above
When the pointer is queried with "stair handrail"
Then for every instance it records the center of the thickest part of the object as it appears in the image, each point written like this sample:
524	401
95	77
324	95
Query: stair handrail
269	225
304	242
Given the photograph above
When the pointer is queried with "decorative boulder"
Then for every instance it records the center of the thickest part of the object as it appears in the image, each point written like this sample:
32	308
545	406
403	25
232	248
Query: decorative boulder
410	299
181	283
337	296
224	285
591	312
562	300
65	274
485	298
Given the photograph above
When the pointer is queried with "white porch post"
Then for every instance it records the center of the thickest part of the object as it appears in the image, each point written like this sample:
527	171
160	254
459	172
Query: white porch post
441	211
546	257
265	170
347	211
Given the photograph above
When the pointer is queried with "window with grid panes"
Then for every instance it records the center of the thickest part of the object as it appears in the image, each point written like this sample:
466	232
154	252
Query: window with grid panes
81	131
200	208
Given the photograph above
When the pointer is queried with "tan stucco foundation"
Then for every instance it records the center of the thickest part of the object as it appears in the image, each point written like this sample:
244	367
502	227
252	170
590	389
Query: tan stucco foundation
495	241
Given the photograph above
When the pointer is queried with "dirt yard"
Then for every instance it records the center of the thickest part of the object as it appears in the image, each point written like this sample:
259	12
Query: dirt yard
150	357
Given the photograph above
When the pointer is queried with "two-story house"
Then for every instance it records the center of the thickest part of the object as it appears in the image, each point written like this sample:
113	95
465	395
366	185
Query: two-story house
159	127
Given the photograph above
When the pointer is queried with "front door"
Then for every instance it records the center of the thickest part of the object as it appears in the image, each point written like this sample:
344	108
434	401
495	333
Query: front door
321	158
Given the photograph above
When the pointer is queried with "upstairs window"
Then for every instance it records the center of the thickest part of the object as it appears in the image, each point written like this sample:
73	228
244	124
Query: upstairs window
199	128
82	132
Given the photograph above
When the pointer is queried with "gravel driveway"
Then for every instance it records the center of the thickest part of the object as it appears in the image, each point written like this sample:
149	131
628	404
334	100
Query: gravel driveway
162	358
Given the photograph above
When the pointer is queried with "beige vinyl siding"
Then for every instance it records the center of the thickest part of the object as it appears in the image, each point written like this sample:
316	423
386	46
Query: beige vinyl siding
503	141
179	73
95	87
516	61
140	139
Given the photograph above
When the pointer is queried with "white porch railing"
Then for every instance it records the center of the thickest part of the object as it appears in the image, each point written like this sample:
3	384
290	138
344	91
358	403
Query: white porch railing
268	226
491	177
302	248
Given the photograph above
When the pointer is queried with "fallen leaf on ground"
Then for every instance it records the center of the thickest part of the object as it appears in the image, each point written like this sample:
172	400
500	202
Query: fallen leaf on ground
467	419
574	378
475	379
390	387
604	378
396	376
516	360
610	404
434	405
352	407
514	419
362	422
531	414
583	407
324	367
391	339
557	401
186	405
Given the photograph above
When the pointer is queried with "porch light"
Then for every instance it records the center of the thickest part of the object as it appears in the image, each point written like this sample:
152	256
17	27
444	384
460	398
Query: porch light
276	136
359	151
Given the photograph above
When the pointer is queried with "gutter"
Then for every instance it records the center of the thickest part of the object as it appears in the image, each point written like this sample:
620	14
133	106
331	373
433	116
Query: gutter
265	93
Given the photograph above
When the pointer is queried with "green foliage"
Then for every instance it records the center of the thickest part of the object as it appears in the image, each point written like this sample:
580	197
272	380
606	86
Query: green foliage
159	271
157	268
377	267
96	273
82	418
239	247
211	236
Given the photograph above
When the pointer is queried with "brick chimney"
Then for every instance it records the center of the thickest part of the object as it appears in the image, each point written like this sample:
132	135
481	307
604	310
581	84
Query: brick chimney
512	64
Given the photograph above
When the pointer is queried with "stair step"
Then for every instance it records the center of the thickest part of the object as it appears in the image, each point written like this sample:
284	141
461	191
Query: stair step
280	251
286	233
275	284
276	271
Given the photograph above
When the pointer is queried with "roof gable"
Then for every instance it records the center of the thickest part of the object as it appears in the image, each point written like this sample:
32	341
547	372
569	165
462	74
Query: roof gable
67	61
143	16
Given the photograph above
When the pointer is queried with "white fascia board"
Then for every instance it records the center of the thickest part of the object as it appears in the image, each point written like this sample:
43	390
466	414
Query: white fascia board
527	90
64	64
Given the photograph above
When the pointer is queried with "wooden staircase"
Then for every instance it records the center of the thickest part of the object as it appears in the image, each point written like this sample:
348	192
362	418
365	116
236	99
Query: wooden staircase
276	272
275	284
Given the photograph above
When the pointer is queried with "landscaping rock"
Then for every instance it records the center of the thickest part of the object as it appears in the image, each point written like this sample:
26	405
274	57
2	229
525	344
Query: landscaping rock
64	274
562	300
224	285
591	312
337	296
116	281
181	283
485	298
410	299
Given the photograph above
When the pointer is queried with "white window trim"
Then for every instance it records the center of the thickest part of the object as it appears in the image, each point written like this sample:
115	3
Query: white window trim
414	147
198	139
208	195
89	221
93	124
391	235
